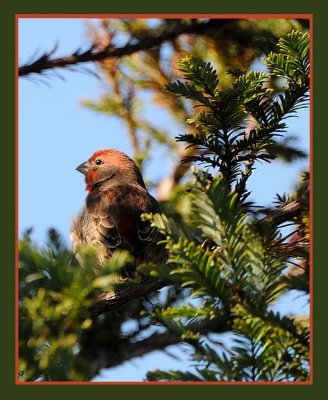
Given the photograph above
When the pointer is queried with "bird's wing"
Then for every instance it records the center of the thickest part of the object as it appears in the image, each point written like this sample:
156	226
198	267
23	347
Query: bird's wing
117	213
146	232
111	220
94	229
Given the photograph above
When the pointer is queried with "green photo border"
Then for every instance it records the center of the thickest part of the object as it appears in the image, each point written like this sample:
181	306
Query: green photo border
10	390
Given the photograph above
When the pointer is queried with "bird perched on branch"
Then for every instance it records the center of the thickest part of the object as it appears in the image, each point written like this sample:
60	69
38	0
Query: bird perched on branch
110	219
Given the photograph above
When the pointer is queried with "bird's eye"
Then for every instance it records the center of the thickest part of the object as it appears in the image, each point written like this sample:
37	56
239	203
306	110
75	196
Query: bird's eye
98	162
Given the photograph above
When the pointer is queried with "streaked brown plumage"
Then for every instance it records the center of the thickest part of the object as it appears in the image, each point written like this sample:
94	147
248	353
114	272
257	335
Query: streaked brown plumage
116	199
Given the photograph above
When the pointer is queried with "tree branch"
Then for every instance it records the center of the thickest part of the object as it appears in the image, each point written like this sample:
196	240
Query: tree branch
103	357
110	302
92	55
283	214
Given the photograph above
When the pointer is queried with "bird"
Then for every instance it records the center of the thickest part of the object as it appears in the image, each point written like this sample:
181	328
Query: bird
110	219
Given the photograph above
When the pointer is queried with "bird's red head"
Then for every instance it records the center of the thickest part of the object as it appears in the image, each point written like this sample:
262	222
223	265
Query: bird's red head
112	166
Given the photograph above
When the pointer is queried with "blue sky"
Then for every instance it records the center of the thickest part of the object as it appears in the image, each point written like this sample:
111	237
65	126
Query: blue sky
56	134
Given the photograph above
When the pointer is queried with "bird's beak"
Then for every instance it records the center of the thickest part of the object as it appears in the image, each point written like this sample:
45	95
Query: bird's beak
83	168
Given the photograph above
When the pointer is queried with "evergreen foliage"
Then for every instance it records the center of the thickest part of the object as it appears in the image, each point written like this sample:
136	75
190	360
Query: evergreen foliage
223	140
243	272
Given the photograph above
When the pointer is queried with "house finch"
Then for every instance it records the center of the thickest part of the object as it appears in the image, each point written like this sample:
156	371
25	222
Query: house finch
116	199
